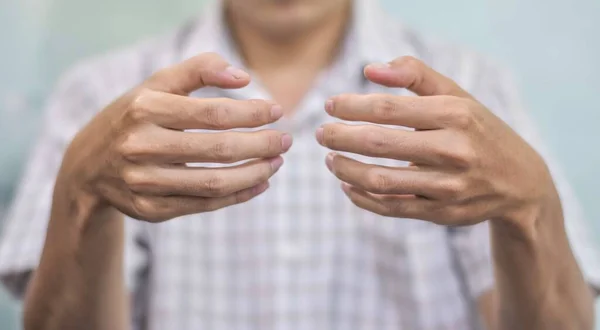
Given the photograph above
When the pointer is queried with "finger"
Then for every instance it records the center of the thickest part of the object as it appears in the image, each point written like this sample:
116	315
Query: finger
423	113
398	206
375	141
159	208
208	69
182	112
394	180
158	145
414	75
201	182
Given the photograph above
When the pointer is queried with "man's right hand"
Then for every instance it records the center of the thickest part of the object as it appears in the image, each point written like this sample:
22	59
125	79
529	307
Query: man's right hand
132	155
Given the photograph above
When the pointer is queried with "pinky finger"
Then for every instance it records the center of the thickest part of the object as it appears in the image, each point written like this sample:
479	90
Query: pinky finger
237	198
162	208
398	206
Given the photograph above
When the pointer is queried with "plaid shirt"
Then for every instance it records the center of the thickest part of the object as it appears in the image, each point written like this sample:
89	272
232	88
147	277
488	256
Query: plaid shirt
301	256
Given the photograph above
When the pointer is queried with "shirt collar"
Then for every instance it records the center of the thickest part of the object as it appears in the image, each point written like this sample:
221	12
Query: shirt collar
373	35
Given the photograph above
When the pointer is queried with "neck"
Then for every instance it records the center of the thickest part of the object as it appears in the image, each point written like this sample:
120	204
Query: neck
311	50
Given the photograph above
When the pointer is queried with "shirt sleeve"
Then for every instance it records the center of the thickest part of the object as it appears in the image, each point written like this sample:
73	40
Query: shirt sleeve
471	245
73	103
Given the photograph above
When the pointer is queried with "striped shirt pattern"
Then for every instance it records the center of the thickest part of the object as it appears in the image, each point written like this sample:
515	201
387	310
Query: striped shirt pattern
301	256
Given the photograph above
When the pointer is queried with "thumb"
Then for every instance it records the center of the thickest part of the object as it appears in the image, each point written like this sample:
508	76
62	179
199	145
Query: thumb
412	74
208	69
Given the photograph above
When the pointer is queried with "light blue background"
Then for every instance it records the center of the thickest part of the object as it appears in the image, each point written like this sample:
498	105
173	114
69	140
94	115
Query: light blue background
552	45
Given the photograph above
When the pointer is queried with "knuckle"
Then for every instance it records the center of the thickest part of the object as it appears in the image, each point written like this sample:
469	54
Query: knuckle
215	115
274	145
210	206
268	142
453	188
463	116
376	181
140	105
136	180
456	215
457	150
215	185
132	146
375	140
465	157
392	209
259	112
385	107
144	209
223	151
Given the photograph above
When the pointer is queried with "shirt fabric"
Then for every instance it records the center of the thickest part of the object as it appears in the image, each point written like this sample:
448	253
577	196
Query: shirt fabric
301	256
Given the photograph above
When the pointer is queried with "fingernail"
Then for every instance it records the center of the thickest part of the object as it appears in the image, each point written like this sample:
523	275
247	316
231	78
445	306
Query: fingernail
329	161
276	112
237	73
260	188
379	66
319	135
286	142
276	163
329	106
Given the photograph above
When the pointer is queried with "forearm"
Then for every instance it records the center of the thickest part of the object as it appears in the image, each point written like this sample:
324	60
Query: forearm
79	283
538	282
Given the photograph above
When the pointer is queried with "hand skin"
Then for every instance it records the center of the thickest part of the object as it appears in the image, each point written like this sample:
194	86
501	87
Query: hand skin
129	160
467	166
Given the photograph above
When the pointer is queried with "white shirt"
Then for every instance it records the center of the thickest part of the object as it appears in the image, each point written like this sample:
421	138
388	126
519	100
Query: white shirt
300	256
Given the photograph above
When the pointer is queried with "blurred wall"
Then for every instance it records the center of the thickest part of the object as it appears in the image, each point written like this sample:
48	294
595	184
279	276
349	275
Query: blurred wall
46	36
552	45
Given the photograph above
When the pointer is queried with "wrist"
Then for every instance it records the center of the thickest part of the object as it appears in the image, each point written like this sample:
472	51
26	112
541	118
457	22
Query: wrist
78	206
529	219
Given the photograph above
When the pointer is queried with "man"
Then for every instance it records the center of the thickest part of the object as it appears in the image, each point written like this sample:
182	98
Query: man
486	247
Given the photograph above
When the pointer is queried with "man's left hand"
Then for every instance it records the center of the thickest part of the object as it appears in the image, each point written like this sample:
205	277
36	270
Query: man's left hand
466	164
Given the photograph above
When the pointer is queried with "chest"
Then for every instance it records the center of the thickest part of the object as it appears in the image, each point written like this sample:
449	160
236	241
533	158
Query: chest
304	216
302	249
